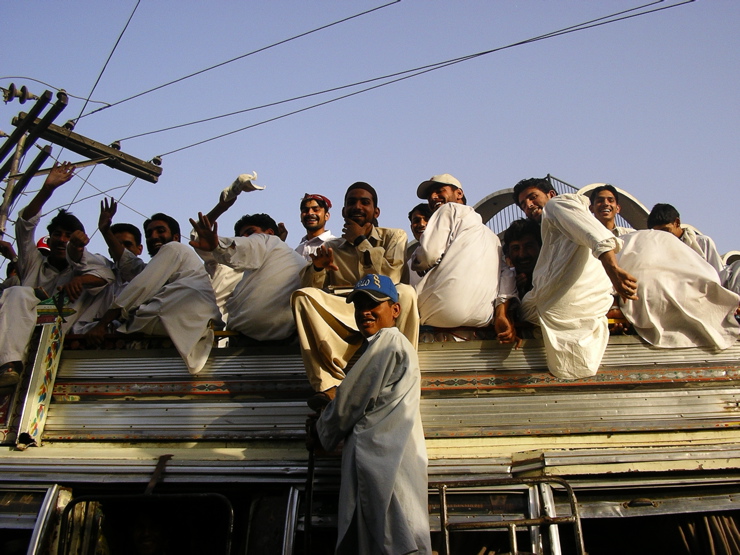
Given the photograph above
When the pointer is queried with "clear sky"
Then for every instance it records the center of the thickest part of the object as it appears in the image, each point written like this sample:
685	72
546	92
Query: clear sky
649	104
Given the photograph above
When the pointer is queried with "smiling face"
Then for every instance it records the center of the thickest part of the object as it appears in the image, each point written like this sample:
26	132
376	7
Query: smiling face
604	206
359	207
418	224
443	194
532	200
371	316
158	233
313	217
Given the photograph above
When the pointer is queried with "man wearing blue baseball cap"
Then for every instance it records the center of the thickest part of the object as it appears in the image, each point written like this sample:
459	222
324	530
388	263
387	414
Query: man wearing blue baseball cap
383	495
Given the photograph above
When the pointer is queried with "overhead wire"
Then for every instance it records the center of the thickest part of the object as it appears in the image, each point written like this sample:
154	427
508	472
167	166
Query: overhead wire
408	74
380	78
262	49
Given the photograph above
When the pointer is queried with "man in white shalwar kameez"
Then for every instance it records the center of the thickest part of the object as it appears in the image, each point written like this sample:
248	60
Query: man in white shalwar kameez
681	301
42	276
665	217
259	305
314	215
171	295
571	291
465	275
383	506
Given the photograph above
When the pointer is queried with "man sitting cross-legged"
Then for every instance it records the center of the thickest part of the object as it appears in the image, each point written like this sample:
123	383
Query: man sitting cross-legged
171	295
383	494
259	305
325	323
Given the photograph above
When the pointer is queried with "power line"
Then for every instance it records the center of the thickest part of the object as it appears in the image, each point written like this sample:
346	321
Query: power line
120	36
612	18
158	87
383	77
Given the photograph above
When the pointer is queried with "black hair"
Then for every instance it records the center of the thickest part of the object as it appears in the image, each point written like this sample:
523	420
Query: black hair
169	220
12	268
662	214
423	208
542	183
263	221
127	228
365	187
520	229
66	221
594	193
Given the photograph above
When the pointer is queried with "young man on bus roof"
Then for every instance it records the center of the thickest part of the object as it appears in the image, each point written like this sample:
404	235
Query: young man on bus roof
571	289
605	207
314	215
259	305
458	252
326	328
418	218
171	295
42	276
665	217
383	493
522	244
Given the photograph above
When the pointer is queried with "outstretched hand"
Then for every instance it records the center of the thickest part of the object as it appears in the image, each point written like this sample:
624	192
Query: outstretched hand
207	239
59	175
324	259
107	211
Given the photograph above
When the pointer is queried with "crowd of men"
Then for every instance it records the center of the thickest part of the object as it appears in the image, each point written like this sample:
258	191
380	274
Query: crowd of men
566	273
557	275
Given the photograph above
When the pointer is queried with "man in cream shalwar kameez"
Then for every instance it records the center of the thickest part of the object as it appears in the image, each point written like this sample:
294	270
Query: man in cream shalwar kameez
383	495
571	291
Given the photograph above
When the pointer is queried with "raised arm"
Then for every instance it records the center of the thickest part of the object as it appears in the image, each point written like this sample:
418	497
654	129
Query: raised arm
59	175
107	211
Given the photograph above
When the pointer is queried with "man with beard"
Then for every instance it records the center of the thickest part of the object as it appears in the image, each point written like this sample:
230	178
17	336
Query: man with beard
457	253
326	328
571	290
42	276
605	206
314	215
522	244
172	295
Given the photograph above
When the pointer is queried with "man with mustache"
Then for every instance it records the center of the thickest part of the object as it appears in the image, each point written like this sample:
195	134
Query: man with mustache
314	215
171	295
457	253
418	218
326	328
